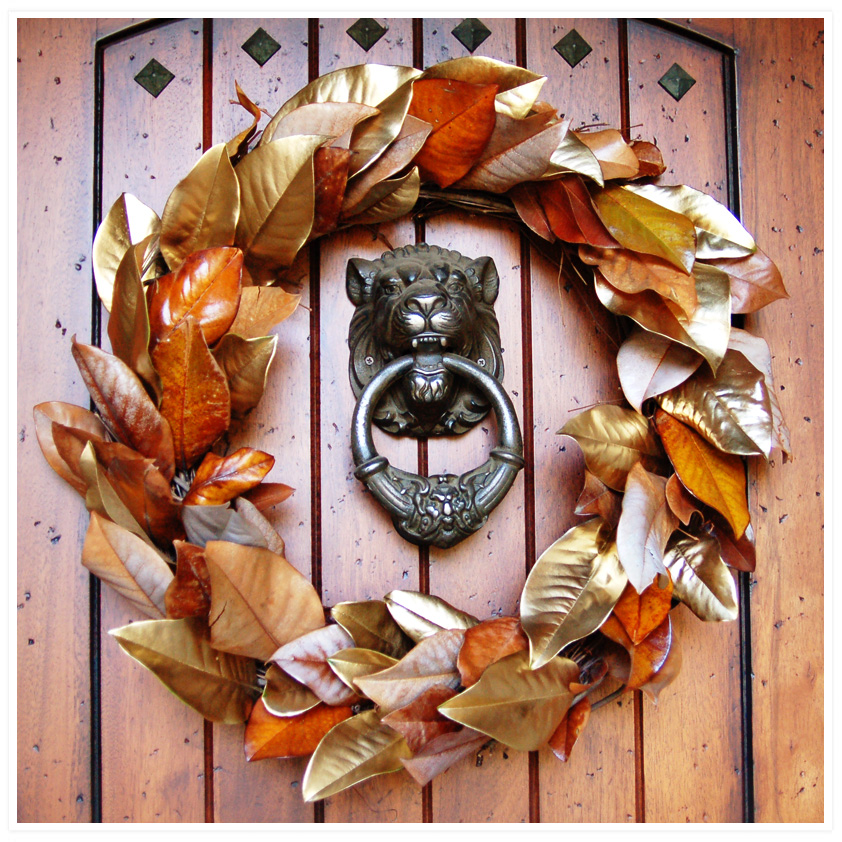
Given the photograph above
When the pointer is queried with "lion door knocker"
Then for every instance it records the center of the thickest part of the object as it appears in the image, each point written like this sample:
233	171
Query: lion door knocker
426	361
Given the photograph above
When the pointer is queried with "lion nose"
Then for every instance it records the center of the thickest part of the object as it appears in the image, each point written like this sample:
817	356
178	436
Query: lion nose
427	303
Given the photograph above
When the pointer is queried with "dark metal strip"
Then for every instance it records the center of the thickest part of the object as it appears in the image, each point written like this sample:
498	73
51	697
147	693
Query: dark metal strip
689	34
623	61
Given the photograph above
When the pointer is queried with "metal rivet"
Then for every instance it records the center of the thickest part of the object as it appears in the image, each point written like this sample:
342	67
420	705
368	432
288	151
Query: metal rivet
369	360
154	77
573	48
481	362
676	82
471	33
261	46
367	32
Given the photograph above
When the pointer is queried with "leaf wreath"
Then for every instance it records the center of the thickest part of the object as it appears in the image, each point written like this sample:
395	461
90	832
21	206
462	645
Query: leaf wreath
409	681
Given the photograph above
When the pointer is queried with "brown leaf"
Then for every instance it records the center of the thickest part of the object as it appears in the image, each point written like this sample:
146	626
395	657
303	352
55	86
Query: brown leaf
649	656
616	158
739	554
596	498
188	595
650	158
267	495
330	175
268	735
443	752
329	119
125	406
261	308
69	445
222	478
389	199
641	613
486	644
419	721
681	501
755	281
206	287
196	403
220	523
531	212
570	727
667	672
571	214
305	659
251	514
462	116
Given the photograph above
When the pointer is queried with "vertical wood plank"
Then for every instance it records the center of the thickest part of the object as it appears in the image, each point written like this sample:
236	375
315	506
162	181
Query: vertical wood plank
268	790
574	346
54	198
152	744
688	744
362	555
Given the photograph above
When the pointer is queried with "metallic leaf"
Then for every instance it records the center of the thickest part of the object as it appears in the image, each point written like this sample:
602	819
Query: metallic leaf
238	143
371	626
616	158
572	156
220	687
353	663
329	119
284	696
393	198
570	590
701	579
421	615
245	363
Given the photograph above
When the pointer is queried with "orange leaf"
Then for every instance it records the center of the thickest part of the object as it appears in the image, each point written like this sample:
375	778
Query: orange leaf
330	174
269	494
616	158
189	592
222	478
569	729
642	613
650	158
196	399
268	735
569	209
716	478
486	644
261	308
420	721
649	657
206	287
462	116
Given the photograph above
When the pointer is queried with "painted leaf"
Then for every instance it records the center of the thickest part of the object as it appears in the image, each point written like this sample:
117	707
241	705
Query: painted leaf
128	564
420	721
755	281
570	590
222	478
641	613
650	158
572	156
682	503
237	145
570	729
353	663
716	478
372	627
616	158
613	440
515	704
196	402
330	119
268	735
390	199
261	309
421	615
259	601
221	687
203	208
596	498
571	214
284	696
188	594
245	363
486	644
443	752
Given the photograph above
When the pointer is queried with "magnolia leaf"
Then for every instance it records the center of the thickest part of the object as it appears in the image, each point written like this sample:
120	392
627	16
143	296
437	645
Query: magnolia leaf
515	704
220	687
571	155
431	662
639	224
124	405
755	281
718	232
329	119
681	501
442	752
570	729
68	445
531	212
355	750
570	212
395	197
570	590
188	594
267	495
222	478
127	563
330	176
284	696
596	498
206	288
649	365
420	721
203	209
641	613
305	658
667	672
421	615
245	363
645	526
716	478
650	158
261	308
127	223
462	116
613	440
616	158
371	626
252	515
739	554
702	580
236	145
220	523
259	601
268	735
196	402
486	644
353	663
651	655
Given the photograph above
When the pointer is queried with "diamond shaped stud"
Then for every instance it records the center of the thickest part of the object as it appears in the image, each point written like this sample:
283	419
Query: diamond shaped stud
261	46
154	77
573	48
676	82
471	33
367	32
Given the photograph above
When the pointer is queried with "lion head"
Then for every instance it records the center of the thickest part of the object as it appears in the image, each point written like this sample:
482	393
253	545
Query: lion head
424	300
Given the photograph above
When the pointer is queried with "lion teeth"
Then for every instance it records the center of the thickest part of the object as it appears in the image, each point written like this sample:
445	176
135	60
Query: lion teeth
414	343
443	342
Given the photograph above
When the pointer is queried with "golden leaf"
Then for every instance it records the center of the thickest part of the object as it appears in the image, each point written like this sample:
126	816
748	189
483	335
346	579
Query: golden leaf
203	209
701	579
486	644
220	687
284	696
515	704
421	615
329	119
371	626
572	156
570	590
222	478
613	440
237	143
259	601
355	750
616	158
245	363
127	223
392	199
353	663
755	281
716	478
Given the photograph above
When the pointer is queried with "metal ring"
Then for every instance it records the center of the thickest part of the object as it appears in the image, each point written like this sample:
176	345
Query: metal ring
444	509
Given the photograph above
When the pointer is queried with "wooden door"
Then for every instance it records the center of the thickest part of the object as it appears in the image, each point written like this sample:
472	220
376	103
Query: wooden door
738	737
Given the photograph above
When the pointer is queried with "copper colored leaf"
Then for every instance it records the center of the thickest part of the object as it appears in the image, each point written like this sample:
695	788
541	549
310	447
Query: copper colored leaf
650	158
641	613
284	696
124	405
252	515
222	478
596	498
188	595
651	655
203	208
739	554
259	601
196	403
330	175
220	687
530	210
645	526
421	615
267	495
69	445
245	363
330	119
237	143
268	735
353	663
570	729
668	671
420	721
305	658
261	308
128	564
462	116
613	440
570	213
716	478
206	287
682	503
372	627
443	752
755	281
486	644
616	158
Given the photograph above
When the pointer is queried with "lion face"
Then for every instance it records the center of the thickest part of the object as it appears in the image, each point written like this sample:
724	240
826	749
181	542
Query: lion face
423	301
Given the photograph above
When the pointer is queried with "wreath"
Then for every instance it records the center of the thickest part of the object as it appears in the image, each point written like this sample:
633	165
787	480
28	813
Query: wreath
177	522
